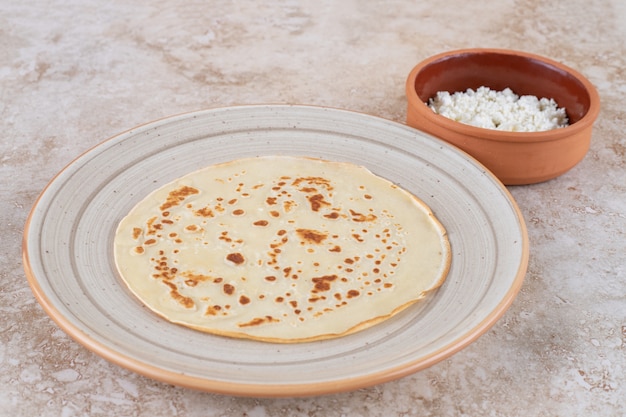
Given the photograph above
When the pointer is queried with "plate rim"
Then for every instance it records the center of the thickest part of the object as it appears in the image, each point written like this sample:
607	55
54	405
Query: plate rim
272	390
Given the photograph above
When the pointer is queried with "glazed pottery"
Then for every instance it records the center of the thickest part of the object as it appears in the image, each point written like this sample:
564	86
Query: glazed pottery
514	157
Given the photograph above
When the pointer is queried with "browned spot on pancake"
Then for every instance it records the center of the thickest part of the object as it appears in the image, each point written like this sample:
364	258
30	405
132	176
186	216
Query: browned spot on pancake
335	248
204	212
333	215
212	310
357	237
243	300
360	217
314	181
182	300
150	226
258	321
323	283
162	268
311	236
288	205
235	258
261	223
317	201
176	196
137	232
238	212
276	249
139	250
194	279
353	293
270	201
270	278
228	289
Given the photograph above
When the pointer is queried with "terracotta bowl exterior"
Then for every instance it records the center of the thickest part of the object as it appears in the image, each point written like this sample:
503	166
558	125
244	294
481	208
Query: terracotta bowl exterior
514	157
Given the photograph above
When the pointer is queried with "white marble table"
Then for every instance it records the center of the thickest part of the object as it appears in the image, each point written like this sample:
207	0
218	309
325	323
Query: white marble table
74	73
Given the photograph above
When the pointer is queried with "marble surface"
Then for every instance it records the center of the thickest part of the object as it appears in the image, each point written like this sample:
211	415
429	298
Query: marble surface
73	73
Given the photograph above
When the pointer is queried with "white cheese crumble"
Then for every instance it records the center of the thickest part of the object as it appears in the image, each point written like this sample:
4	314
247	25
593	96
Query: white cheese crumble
500	110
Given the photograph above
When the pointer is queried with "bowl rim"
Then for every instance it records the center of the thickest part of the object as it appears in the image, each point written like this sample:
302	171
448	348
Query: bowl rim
422	108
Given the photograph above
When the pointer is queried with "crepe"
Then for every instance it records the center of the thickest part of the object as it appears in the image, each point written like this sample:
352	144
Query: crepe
281	249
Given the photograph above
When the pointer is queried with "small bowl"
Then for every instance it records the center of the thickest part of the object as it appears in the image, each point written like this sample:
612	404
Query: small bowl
514	157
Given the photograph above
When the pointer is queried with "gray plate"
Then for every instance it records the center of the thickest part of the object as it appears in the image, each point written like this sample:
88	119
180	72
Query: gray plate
69	240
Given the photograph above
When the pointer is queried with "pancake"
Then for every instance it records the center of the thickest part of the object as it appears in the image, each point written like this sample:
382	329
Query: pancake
281	249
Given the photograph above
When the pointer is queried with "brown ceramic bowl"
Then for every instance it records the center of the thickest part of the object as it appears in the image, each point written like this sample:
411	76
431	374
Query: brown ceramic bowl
514	157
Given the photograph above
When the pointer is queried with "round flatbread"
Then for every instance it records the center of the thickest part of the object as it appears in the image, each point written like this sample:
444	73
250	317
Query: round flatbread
281	249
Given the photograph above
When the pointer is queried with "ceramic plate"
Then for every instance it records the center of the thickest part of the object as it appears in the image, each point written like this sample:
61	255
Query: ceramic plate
68	243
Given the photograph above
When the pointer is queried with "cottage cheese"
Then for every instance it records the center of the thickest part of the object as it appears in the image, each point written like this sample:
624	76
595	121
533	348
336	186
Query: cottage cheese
501	110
